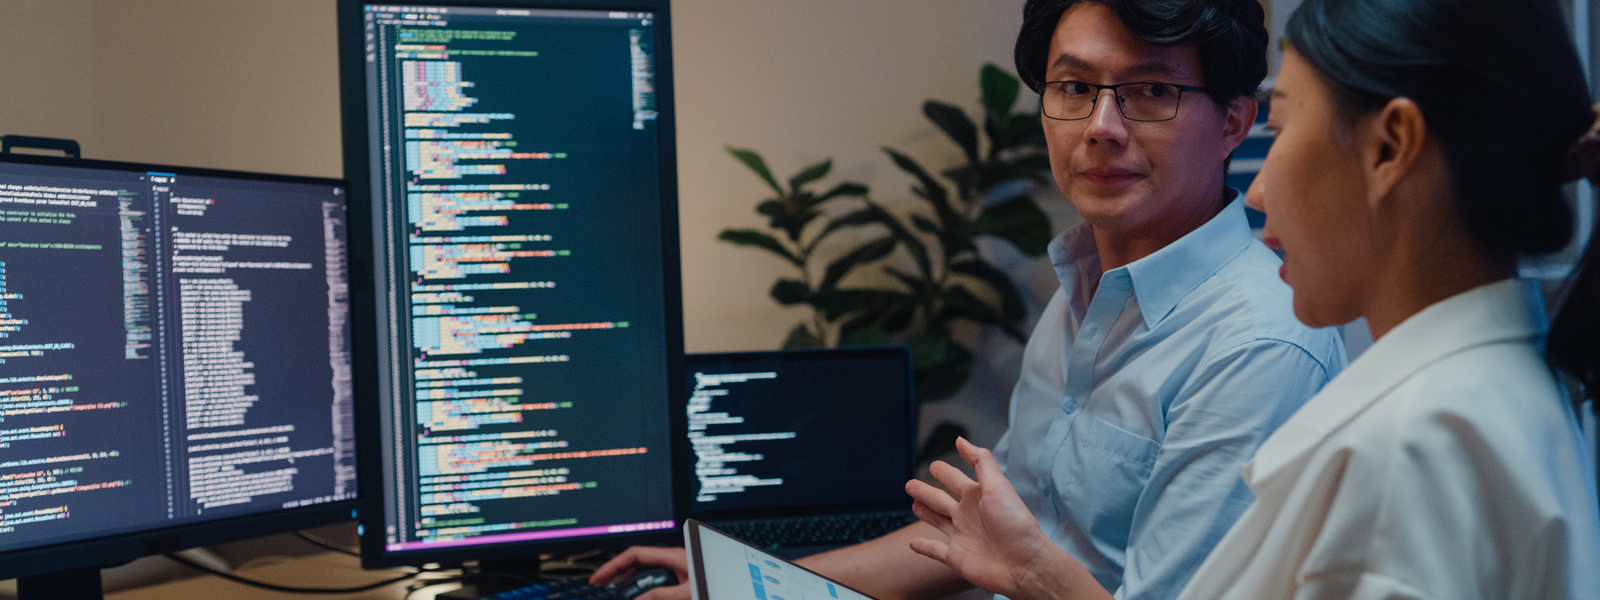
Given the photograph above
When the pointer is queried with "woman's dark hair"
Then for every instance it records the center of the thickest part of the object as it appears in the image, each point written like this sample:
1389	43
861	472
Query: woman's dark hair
1501	88
1231	35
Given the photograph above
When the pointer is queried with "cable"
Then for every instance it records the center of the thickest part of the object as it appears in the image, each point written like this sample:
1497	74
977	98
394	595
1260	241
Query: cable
293	590
325	543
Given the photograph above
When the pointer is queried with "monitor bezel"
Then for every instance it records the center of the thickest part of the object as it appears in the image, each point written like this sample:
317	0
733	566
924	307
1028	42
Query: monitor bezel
111	550
363	243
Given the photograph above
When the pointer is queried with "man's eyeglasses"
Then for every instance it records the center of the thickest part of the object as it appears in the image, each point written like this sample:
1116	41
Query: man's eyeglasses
1138	101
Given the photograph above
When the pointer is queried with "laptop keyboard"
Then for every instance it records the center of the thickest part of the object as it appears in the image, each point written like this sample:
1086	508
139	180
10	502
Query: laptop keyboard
825	530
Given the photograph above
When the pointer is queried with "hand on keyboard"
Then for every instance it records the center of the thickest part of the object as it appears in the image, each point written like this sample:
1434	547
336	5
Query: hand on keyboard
640	558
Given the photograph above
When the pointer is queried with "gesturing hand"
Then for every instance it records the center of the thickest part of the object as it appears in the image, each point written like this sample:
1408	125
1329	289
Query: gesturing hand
994	542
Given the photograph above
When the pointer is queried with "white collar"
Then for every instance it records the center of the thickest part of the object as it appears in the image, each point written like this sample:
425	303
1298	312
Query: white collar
1508	310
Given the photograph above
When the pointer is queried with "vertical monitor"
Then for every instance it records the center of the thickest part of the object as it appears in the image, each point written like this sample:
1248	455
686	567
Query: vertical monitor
515	185
174	360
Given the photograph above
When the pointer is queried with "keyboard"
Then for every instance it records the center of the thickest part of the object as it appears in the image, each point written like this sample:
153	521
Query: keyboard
825	530
567	589
581	589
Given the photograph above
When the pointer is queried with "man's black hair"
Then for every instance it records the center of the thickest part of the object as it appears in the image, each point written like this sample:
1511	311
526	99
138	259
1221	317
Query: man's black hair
1231	36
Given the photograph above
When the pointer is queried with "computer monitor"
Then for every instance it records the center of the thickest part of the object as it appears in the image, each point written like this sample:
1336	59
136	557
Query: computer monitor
514	222
174	363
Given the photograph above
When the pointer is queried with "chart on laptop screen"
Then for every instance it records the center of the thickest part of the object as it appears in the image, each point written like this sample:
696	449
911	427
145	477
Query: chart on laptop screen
737	571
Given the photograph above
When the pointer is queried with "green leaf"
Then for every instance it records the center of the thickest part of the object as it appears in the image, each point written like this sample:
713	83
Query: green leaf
1010	300
865	216
928	350
899	318
869	252
800	338
1000	90
889	311
967	177
918	250
757	164
777	213
1013	133
919	286
797	223
929	189
954	122
955	240
873	314
941	441
862	335
771	208
847	188
1018	221
999	96
960	303
810	174
838	303
750	237
789	292
942	374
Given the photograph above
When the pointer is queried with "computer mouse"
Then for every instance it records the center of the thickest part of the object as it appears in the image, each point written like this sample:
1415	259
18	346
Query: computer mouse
644	581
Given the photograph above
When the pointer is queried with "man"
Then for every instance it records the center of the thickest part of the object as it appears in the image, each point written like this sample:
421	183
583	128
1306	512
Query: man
1171	350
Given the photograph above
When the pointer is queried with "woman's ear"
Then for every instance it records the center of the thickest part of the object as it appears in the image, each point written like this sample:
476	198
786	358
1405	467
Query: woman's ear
1390	142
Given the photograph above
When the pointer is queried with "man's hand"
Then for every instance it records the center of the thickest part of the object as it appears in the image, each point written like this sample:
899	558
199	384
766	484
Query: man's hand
994	542
639	558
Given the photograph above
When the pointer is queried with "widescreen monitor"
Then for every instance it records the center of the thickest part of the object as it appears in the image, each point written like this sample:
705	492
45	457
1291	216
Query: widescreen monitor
514	208
174	362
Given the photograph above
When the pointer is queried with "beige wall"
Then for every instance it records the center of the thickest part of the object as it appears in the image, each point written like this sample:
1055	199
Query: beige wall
47	51
236	84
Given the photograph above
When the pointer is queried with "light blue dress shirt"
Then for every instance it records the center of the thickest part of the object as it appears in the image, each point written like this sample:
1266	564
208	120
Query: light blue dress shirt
1144	390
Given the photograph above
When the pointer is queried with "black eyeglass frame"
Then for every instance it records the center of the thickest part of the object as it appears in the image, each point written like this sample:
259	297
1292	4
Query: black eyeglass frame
1095	103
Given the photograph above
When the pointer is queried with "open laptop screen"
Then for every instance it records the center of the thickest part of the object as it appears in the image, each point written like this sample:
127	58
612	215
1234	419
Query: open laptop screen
795	432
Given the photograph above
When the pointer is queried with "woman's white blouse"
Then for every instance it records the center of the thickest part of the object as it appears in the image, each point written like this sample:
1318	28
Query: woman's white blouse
1444	463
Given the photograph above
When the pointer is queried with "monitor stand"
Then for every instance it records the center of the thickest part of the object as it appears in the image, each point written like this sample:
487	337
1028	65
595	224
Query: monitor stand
477	586
77	584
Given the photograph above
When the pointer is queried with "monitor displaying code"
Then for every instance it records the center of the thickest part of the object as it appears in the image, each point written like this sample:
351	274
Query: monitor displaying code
174	348
774	432
516	192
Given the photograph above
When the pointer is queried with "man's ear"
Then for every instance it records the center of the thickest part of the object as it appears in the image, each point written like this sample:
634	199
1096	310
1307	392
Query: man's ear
1241	115
1389	143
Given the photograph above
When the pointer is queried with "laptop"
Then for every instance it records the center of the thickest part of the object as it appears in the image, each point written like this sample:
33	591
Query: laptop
723	568
802	451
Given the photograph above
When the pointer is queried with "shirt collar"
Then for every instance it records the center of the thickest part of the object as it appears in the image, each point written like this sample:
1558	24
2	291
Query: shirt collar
1163	278
1507	311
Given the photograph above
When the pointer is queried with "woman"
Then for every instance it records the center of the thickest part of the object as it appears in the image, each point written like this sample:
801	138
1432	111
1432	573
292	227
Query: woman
1421	148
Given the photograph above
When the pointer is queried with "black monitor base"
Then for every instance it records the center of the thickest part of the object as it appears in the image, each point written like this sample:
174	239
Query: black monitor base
79	584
